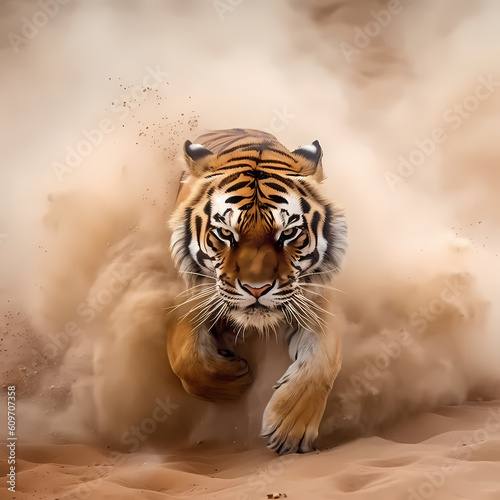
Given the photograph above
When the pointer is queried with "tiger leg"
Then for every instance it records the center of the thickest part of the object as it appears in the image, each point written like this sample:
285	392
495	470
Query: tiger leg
292	416
205	371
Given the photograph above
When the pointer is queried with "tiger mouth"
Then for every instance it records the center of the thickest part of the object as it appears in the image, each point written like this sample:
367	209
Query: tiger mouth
227	331
257	306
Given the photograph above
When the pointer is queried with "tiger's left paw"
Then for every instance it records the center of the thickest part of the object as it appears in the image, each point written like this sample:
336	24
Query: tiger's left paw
292	416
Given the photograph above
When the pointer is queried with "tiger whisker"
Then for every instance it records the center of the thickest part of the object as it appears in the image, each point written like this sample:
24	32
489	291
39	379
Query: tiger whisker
238	331
314	317
202	293
314	293
293	314
211	306
321	285
203	319
298	316
199	274
219	314
299	319
307	313
204	313
185	292
198	296
207	303
318	272
286	313
313	304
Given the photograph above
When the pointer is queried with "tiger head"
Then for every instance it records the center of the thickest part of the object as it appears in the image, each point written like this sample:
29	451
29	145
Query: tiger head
251	232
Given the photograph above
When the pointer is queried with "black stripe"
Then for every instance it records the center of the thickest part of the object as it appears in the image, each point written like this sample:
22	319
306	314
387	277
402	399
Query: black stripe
311	193
279	162
228	143
314	223
198	223
241	146
300	190
276	187
328	233
201	256
268	206
281	153
229	179
305	205
258	146
281	169
187	227
238	185
289	183
209	242
277	199
245	207
238	165
235	199
243	157
208	207
313	256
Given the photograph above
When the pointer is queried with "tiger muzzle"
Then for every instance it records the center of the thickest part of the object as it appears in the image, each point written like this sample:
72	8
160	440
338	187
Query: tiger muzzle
257	268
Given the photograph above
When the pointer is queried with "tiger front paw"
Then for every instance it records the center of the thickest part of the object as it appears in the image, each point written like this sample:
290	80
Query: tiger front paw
292	416
205	366
218	376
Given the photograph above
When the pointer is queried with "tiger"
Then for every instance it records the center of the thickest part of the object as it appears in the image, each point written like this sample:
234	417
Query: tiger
257	243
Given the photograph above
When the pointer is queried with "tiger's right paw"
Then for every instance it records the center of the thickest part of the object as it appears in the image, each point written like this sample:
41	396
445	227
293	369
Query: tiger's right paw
220	376
204	362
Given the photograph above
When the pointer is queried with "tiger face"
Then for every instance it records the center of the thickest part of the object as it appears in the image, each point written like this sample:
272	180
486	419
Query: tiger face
253	234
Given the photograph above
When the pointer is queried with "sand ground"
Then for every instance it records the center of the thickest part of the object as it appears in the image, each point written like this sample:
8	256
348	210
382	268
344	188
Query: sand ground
96	100
453	452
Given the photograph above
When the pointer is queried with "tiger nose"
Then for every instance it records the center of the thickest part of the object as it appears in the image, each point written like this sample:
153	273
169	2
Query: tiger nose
257	291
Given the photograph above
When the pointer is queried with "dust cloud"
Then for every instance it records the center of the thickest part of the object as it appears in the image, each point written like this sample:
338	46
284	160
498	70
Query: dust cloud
97	99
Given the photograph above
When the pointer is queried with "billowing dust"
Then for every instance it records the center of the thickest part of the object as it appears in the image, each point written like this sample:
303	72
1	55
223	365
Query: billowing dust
95	109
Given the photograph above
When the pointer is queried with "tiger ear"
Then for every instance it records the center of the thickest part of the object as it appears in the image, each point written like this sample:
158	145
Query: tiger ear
310	156
197	158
